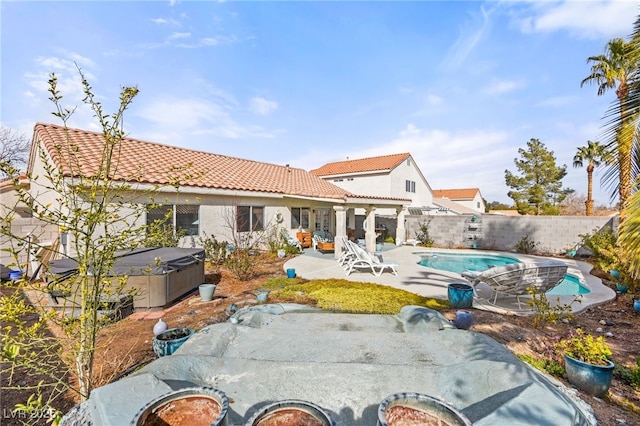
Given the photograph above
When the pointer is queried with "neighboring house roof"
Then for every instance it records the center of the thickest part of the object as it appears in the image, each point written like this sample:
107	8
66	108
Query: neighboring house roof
456	194
153	163
453	206
361	165
505	212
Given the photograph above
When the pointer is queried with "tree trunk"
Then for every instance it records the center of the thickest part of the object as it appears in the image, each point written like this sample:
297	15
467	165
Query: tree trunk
589	202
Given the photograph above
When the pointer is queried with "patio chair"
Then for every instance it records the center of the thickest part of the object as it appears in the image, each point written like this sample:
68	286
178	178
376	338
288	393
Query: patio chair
347	253
293	241
365	260
519	279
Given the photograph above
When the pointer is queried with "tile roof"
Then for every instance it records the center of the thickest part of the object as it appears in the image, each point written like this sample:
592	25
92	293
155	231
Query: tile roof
153	163
456	194
452	205
382	163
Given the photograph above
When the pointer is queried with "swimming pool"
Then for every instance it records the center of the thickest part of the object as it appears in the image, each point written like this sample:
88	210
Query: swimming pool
460	262
571	285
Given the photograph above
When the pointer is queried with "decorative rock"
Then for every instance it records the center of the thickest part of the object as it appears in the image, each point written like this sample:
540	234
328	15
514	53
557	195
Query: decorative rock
464	320
602	322
599	330
608	334
160	327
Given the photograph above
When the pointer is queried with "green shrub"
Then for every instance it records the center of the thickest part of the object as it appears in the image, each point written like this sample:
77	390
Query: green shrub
586	348
526	245
543	312
423	237
549	366
603	245
215	251
629	375
240	265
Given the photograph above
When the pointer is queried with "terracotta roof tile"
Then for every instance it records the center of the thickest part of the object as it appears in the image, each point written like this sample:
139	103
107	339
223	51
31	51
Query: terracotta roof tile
456	194
385	162
154	163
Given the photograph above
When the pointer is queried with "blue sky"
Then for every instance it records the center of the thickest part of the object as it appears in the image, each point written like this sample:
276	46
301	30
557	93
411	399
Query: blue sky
459	85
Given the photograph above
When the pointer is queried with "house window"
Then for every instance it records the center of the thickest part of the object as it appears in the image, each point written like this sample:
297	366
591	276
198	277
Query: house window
250	218
181	217
299	217
410	186
349	179
478	204
338	180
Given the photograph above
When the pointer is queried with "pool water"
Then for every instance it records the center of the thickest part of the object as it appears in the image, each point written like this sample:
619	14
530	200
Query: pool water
569	286
461	262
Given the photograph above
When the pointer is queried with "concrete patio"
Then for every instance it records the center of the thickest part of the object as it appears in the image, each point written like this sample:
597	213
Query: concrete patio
430	282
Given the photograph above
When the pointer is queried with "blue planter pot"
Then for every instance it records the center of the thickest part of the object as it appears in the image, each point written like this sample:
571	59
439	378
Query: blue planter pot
594	379
167	342
622	288
636	304
460	295
15	275
614	273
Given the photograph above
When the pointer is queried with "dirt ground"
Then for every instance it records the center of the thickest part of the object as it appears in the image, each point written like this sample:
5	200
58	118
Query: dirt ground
126	345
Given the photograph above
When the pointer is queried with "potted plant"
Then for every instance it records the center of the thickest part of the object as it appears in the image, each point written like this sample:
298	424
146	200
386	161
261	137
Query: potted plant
587	362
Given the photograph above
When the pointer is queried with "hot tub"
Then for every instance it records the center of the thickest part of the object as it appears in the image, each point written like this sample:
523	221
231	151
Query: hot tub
158	276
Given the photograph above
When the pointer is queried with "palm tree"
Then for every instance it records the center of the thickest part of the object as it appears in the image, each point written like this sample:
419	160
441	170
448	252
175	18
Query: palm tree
594	154
609	71
624	114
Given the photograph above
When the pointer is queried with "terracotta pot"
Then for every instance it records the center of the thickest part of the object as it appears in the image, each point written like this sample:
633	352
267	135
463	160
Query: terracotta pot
196	406
415	408
291	412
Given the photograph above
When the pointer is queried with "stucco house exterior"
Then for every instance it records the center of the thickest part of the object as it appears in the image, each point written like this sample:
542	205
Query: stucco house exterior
470	198
394	175
204	190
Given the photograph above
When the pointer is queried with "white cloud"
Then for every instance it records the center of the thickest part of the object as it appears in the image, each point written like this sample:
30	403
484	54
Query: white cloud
68	84
434	100
498	87
262	106
163	21
468	39
175	119
447	159
176	36
582	19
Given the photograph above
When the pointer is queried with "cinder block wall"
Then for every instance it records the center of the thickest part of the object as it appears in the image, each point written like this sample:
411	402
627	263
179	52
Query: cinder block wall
42	231
553	234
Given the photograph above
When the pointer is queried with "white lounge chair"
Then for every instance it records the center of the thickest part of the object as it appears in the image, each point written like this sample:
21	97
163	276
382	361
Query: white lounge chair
346	252
517	279
365	260
293	241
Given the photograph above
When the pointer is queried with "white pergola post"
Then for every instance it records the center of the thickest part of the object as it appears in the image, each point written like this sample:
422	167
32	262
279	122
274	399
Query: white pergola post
400	229
341	229
370	229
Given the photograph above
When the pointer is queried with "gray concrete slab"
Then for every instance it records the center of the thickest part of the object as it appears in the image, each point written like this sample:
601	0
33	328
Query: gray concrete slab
347	364
431	282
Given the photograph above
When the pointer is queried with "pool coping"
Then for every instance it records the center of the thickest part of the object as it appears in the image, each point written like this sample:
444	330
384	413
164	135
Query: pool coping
431	282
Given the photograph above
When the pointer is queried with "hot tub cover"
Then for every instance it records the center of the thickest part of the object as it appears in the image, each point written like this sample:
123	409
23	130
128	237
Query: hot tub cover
141	261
